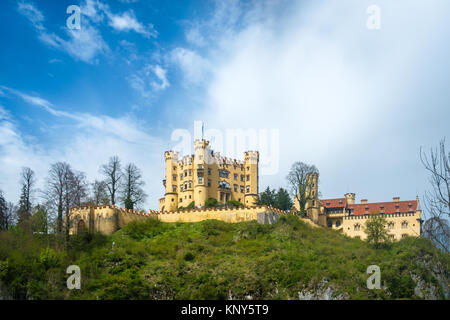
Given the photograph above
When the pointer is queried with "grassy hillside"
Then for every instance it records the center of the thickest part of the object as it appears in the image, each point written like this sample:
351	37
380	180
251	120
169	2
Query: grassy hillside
217	260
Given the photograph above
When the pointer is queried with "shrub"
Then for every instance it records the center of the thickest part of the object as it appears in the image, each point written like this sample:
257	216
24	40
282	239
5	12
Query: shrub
48	258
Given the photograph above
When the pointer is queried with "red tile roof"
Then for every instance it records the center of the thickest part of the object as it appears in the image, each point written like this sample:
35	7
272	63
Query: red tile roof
385	207
333	203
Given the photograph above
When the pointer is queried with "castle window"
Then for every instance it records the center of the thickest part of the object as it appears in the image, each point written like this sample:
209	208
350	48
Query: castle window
209	171
357	227
221	196
174	168
242	177
209	182
190	184
174	188
185	173
235	188
181	199
181	176
174	177
181	188
185	185
404	224
248	168
391	237
223	173
390	225
190	172
200	179
242	189
248	177
235	176
338	223
190	197
404	235
248	189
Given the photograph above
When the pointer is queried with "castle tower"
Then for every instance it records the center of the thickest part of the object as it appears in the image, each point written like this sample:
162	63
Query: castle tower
350	198
312	204
202	161
171	185
251	177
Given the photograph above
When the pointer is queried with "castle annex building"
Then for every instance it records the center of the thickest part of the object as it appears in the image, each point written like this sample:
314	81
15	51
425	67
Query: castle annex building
206	174
403	218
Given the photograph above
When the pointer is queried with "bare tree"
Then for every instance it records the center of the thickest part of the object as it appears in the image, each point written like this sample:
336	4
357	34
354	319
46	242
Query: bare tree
113	175
79	189
27	181
58	189
99	193
437	200
132	194
3	212
8	213
300	182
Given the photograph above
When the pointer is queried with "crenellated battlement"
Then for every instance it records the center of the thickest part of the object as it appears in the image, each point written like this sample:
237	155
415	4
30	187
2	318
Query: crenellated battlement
108	219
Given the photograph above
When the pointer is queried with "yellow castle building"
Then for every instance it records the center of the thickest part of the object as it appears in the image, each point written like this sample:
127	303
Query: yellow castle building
403	218
206	174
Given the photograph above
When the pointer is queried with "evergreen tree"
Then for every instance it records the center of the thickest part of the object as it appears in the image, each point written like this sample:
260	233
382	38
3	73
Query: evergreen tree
267	197
283	200
40	220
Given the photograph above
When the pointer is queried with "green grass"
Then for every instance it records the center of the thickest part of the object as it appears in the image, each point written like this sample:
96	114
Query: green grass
212	260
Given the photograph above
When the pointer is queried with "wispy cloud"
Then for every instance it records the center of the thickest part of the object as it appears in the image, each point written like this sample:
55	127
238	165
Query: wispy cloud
84	44
148	80
95	138
127	22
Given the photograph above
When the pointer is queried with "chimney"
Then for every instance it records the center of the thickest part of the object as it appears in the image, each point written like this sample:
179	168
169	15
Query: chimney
396	199
363	201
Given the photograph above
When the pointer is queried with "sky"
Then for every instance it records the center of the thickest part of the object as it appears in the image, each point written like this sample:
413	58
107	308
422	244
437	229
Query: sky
305	80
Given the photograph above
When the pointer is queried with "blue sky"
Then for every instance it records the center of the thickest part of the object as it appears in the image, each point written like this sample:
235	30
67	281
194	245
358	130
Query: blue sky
355	102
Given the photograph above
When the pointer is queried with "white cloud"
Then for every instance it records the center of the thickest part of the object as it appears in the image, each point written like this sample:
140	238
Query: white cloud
127	22
95	139
194	67
150	79
84	44
337	91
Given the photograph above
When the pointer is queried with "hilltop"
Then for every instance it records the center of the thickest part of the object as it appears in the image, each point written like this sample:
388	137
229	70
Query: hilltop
218	260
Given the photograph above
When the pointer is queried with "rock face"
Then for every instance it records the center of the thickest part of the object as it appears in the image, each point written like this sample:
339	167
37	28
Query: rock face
267	217
322	292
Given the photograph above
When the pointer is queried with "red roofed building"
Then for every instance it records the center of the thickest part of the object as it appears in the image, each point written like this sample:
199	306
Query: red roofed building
403	217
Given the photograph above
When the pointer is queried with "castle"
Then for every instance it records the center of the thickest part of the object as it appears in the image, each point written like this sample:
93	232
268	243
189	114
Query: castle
192	180
206	174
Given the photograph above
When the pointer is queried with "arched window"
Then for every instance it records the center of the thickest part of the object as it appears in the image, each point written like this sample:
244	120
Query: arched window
390	225
357	227
404	224
80	227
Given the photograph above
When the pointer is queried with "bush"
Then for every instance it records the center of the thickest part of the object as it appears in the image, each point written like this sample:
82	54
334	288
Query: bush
235	203
48	258
143	229
212	203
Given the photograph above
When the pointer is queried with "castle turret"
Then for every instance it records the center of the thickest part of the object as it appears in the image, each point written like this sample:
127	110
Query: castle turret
251	177
171	185
350	198
202	158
